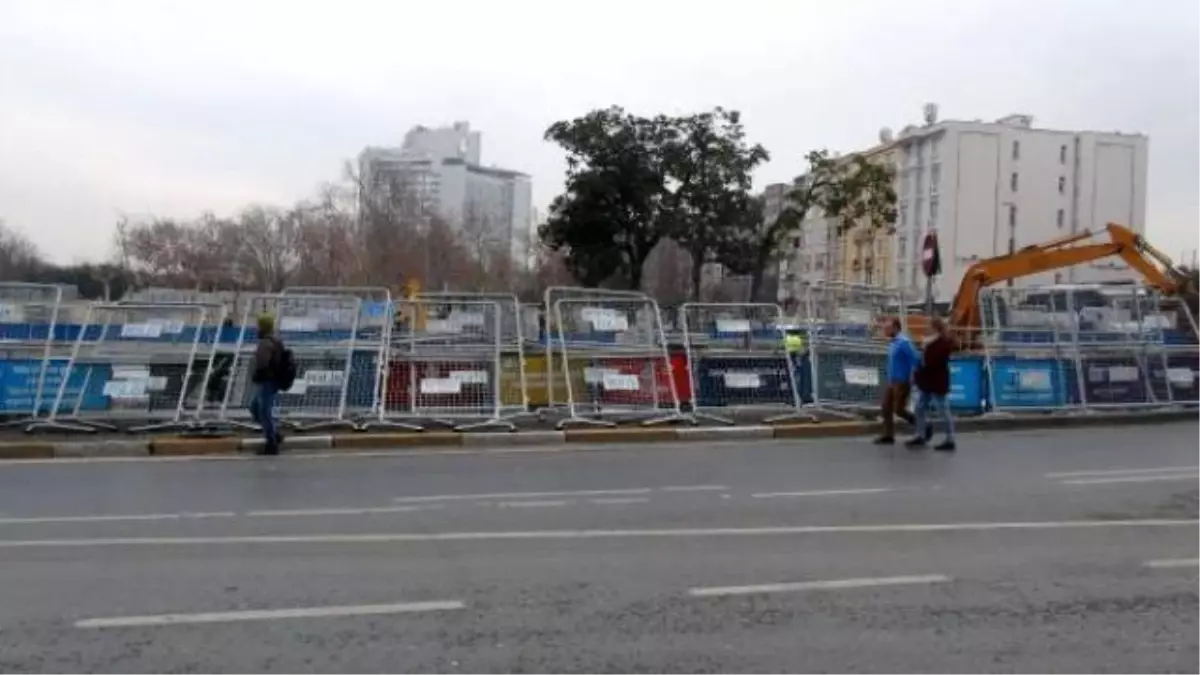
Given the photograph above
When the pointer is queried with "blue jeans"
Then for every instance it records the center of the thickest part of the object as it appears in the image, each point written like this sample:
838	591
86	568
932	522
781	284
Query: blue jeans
940	404
262	410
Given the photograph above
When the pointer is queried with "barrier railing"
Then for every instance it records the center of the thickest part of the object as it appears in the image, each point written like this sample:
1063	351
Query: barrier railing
737	361
29	314
1179	380
322	332
373	333
133	364
445	367
614	362
514	367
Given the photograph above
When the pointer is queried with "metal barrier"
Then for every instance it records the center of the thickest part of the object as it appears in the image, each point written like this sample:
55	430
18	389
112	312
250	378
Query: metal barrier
133	362
1030	351
29	317
514	401
322	332
373	333
847	350
444	366
1179	381
555	386
737	361
614	361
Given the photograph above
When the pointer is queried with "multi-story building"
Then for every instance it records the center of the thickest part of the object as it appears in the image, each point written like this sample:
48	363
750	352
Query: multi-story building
440	172
988	189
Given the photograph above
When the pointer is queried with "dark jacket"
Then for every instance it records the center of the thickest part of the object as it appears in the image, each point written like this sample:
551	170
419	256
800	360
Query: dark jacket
265	358
933	375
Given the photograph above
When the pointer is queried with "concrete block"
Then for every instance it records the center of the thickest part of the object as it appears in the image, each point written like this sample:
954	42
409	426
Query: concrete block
132	447
509	440
748	433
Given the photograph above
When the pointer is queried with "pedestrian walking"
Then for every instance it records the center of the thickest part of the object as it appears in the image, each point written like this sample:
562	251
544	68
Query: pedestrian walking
274	371
933	387
902	359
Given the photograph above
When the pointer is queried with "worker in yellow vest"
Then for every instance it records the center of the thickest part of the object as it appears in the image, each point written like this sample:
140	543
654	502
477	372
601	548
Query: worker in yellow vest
793	342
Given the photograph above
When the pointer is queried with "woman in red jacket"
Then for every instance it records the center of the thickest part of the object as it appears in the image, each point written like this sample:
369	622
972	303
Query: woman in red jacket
933	381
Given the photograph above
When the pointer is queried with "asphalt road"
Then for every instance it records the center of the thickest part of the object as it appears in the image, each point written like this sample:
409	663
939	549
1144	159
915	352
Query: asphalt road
1032	551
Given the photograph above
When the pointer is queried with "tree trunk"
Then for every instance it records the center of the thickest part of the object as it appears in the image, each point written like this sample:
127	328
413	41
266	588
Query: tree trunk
697	274
756	282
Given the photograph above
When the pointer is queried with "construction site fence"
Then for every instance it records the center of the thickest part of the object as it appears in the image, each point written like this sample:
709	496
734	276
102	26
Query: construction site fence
188	366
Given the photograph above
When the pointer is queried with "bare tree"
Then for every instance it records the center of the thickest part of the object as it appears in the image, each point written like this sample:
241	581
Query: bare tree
19	257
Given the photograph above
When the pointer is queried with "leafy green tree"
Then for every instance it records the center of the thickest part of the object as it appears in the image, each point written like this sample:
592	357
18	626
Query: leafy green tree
853	190
611	215
709	166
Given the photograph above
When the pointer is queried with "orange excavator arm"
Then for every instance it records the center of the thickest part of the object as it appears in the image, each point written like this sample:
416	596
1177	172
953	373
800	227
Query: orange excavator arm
1124	243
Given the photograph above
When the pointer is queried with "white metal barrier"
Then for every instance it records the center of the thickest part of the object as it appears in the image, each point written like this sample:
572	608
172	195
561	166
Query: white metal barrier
133	363
556	396
444	366
614	361
847	349
514	400
322	332
373	333
1029	347
737	361
29	315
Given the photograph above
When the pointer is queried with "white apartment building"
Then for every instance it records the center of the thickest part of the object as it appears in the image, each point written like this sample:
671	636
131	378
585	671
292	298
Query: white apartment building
441	170
990	188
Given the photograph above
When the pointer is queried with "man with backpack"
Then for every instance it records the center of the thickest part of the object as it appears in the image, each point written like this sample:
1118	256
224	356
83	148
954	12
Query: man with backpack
274	371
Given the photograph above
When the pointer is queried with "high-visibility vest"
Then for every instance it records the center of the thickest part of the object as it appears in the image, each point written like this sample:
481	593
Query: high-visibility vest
793	343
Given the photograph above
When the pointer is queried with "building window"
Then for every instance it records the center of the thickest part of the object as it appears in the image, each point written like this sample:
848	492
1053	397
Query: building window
935	177
933	212
1062	185
1060	218
934	147
902	215
1016	149
1062	154
1013	181
901	247
796	242
1012	215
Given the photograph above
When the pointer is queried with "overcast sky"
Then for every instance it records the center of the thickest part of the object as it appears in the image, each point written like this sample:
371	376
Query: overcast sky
173	108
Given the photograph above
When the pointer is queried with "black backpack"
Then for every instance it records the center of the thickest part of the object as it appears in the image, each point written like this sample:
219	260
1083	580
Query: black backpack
285	368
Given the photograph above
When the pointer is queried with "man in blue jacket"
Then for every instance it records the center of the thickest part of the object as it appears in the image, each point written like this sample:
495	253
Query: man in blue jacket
902	360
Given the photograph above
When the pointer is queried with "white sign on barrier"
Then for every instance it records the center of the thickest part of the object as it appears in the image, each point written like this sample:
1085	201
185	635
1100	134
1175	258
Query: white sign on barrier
853	315
1181	377
125	389
141	330
323	378
442	326
862	377
168	326
464	319
10	313
470	376
733	326
440	385
300	324
1034	380
299	388
1123	374
742	380
593	375
604	319
621	382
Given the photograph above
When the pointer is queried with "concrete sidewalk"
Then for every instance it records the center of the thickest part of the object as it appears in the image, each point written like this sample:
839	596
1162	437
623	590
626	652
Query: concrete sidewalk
173	446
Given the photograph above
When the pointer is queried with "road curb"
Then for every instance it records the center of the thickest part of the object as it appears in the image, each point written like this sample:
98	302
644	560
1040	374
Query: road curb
431	439
748	433
622	435
291	443
183	447
108	448
824	429
508	440
27	450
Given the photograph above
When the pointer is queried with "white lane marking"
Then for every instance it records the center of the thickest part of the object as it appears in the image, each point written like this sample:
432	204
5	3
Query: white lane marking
1172	563
694	488
819	493
116	518
604	501
269	614
407	537
1119	472
520	495
833	584
285	513
1131	479
532	504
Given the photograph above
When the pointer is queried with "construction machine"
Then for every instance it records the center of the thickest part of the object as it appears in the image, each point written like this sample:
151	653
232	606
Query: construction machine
1154	266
